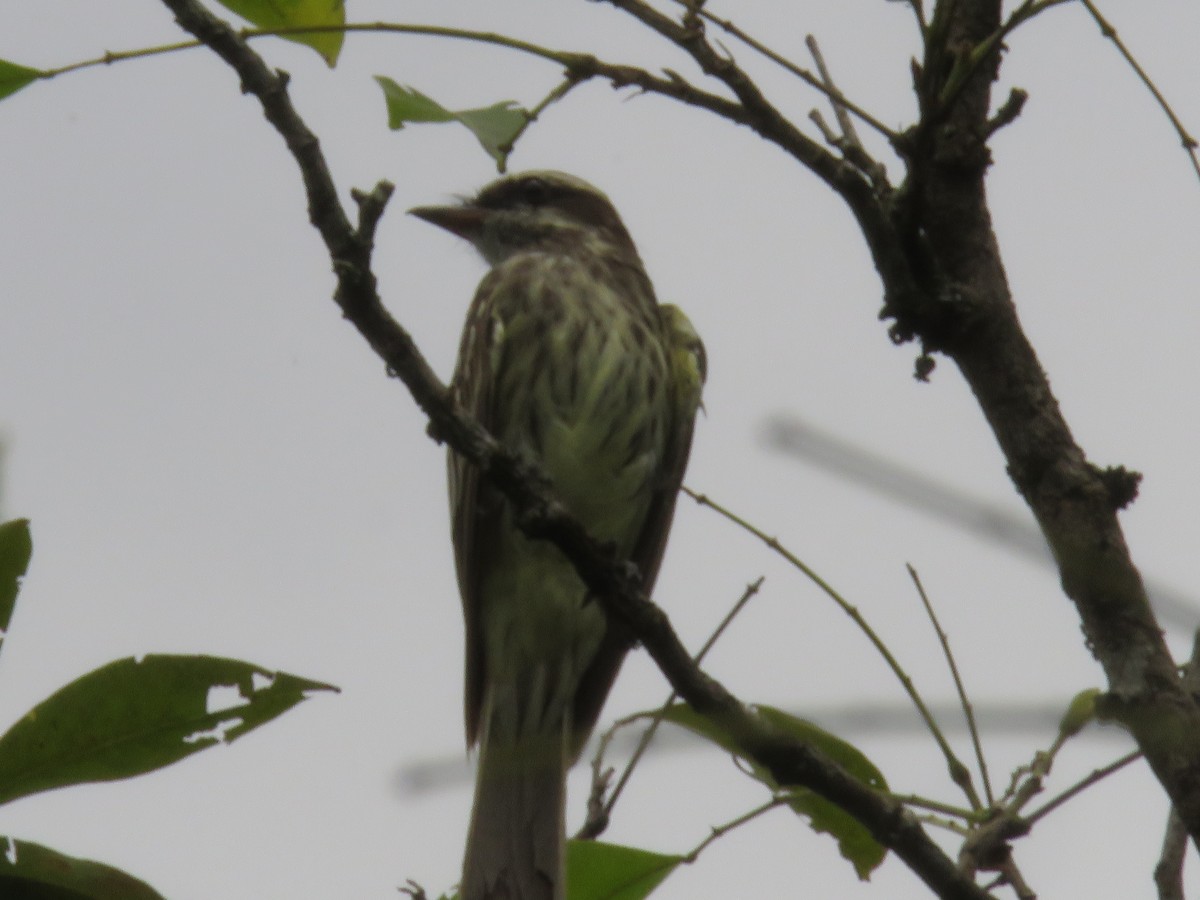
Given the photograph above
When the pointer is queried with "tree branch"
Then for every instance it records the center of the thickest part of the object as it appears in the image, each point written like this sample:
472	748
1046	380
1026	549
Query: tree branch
757	110
822	84
1190	144
971	318
944	282
614	583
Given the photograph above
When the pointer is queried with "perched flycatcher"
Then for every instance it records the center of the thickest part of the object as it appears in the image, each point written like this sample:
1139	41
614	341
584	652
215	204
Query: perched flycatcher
566	356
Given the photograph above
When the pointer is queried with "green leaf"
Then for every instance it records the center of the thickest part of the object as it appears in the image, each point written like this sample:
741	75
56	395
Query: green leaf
597	871
1081	712
15	549
495	126
14	77
136	715
842	752
275	14
854	841
33	872
405	104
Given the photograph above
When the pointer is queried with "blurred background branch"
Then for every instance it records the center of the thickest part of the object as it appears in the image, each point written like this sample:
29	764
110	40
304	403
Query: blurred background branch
998	526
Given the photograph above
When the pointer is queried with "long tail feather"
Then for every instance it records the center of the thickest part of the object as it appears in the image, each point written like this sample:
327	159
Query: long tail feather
516	842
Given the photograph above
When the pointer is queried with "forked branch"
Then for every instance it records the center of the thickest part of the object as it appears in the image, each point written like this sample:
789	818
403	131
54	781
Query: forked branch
613	582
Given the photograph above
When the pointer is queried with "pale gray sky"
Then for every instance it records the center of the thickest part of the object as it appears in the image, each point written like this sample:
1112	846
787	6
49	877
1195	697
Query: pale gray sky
215	462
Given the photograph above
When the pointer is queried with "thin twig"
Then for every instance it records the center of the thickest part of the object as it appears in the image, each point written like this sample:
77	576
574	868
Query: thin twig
831	136
959	773
570	81
848	143
116	56
835	96
845	123
596	821
951	825
648	735
937	806
719	831
1168	872
757	112
484	37
1190	144
1011	875
1007	113
968	710
442	31
966	65
580	66
1081	785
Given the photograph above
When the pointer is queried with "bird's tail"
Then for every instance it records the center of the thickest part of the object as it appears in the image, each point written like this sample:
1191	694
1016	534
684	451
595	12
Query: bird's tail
516	843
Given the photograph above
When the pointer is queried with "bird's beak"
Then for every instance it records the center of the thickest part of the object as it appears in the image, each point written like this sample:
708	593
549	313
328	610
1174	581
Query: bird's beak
465	221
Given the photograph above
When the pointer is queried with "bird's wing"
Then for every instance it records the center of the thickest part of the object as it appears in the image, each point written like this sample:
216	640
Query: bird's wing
474	505
687	369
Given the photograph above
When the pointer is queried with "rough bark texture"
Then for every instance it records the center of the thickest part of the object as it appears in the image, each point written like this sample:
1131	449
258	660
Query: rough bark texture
968	314
932	242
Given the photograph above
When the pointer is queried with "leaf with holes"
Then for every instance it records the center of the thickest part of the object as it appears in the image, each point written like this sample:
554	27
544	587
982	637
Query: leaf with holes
136	715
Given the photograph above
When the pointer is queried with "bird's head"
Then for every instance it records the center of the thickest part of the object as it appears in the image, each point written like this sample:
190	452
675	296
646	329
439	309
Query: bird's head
549	211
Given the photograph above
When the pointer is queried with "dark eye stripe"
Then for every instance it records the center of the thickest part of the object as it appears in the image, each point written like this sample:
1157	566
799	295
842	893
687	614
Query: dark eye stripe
532	191
578	204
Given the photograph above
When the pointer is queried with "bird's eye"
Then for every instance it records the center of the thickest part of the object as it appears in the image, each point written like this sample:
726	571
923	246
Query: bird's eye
535	192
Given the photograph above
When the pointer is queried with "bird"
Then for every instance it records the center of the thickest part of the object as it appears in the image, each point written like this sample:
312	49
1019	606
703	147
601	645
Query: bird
567	358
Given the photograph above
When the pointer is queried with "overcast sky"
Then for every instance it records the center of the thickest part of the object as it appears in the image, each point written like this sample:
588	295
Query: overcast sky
215	462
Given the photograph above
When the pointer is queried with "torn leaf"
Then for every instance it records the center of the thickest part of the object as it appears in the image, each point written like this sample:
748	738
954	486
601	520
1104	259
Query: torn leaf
134	716
496	127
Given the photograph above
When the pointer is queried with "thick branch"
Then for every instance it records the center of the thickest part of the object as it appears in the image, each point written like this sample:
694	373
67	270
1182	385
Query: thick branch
870	204
935	249
1075	502
791	762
